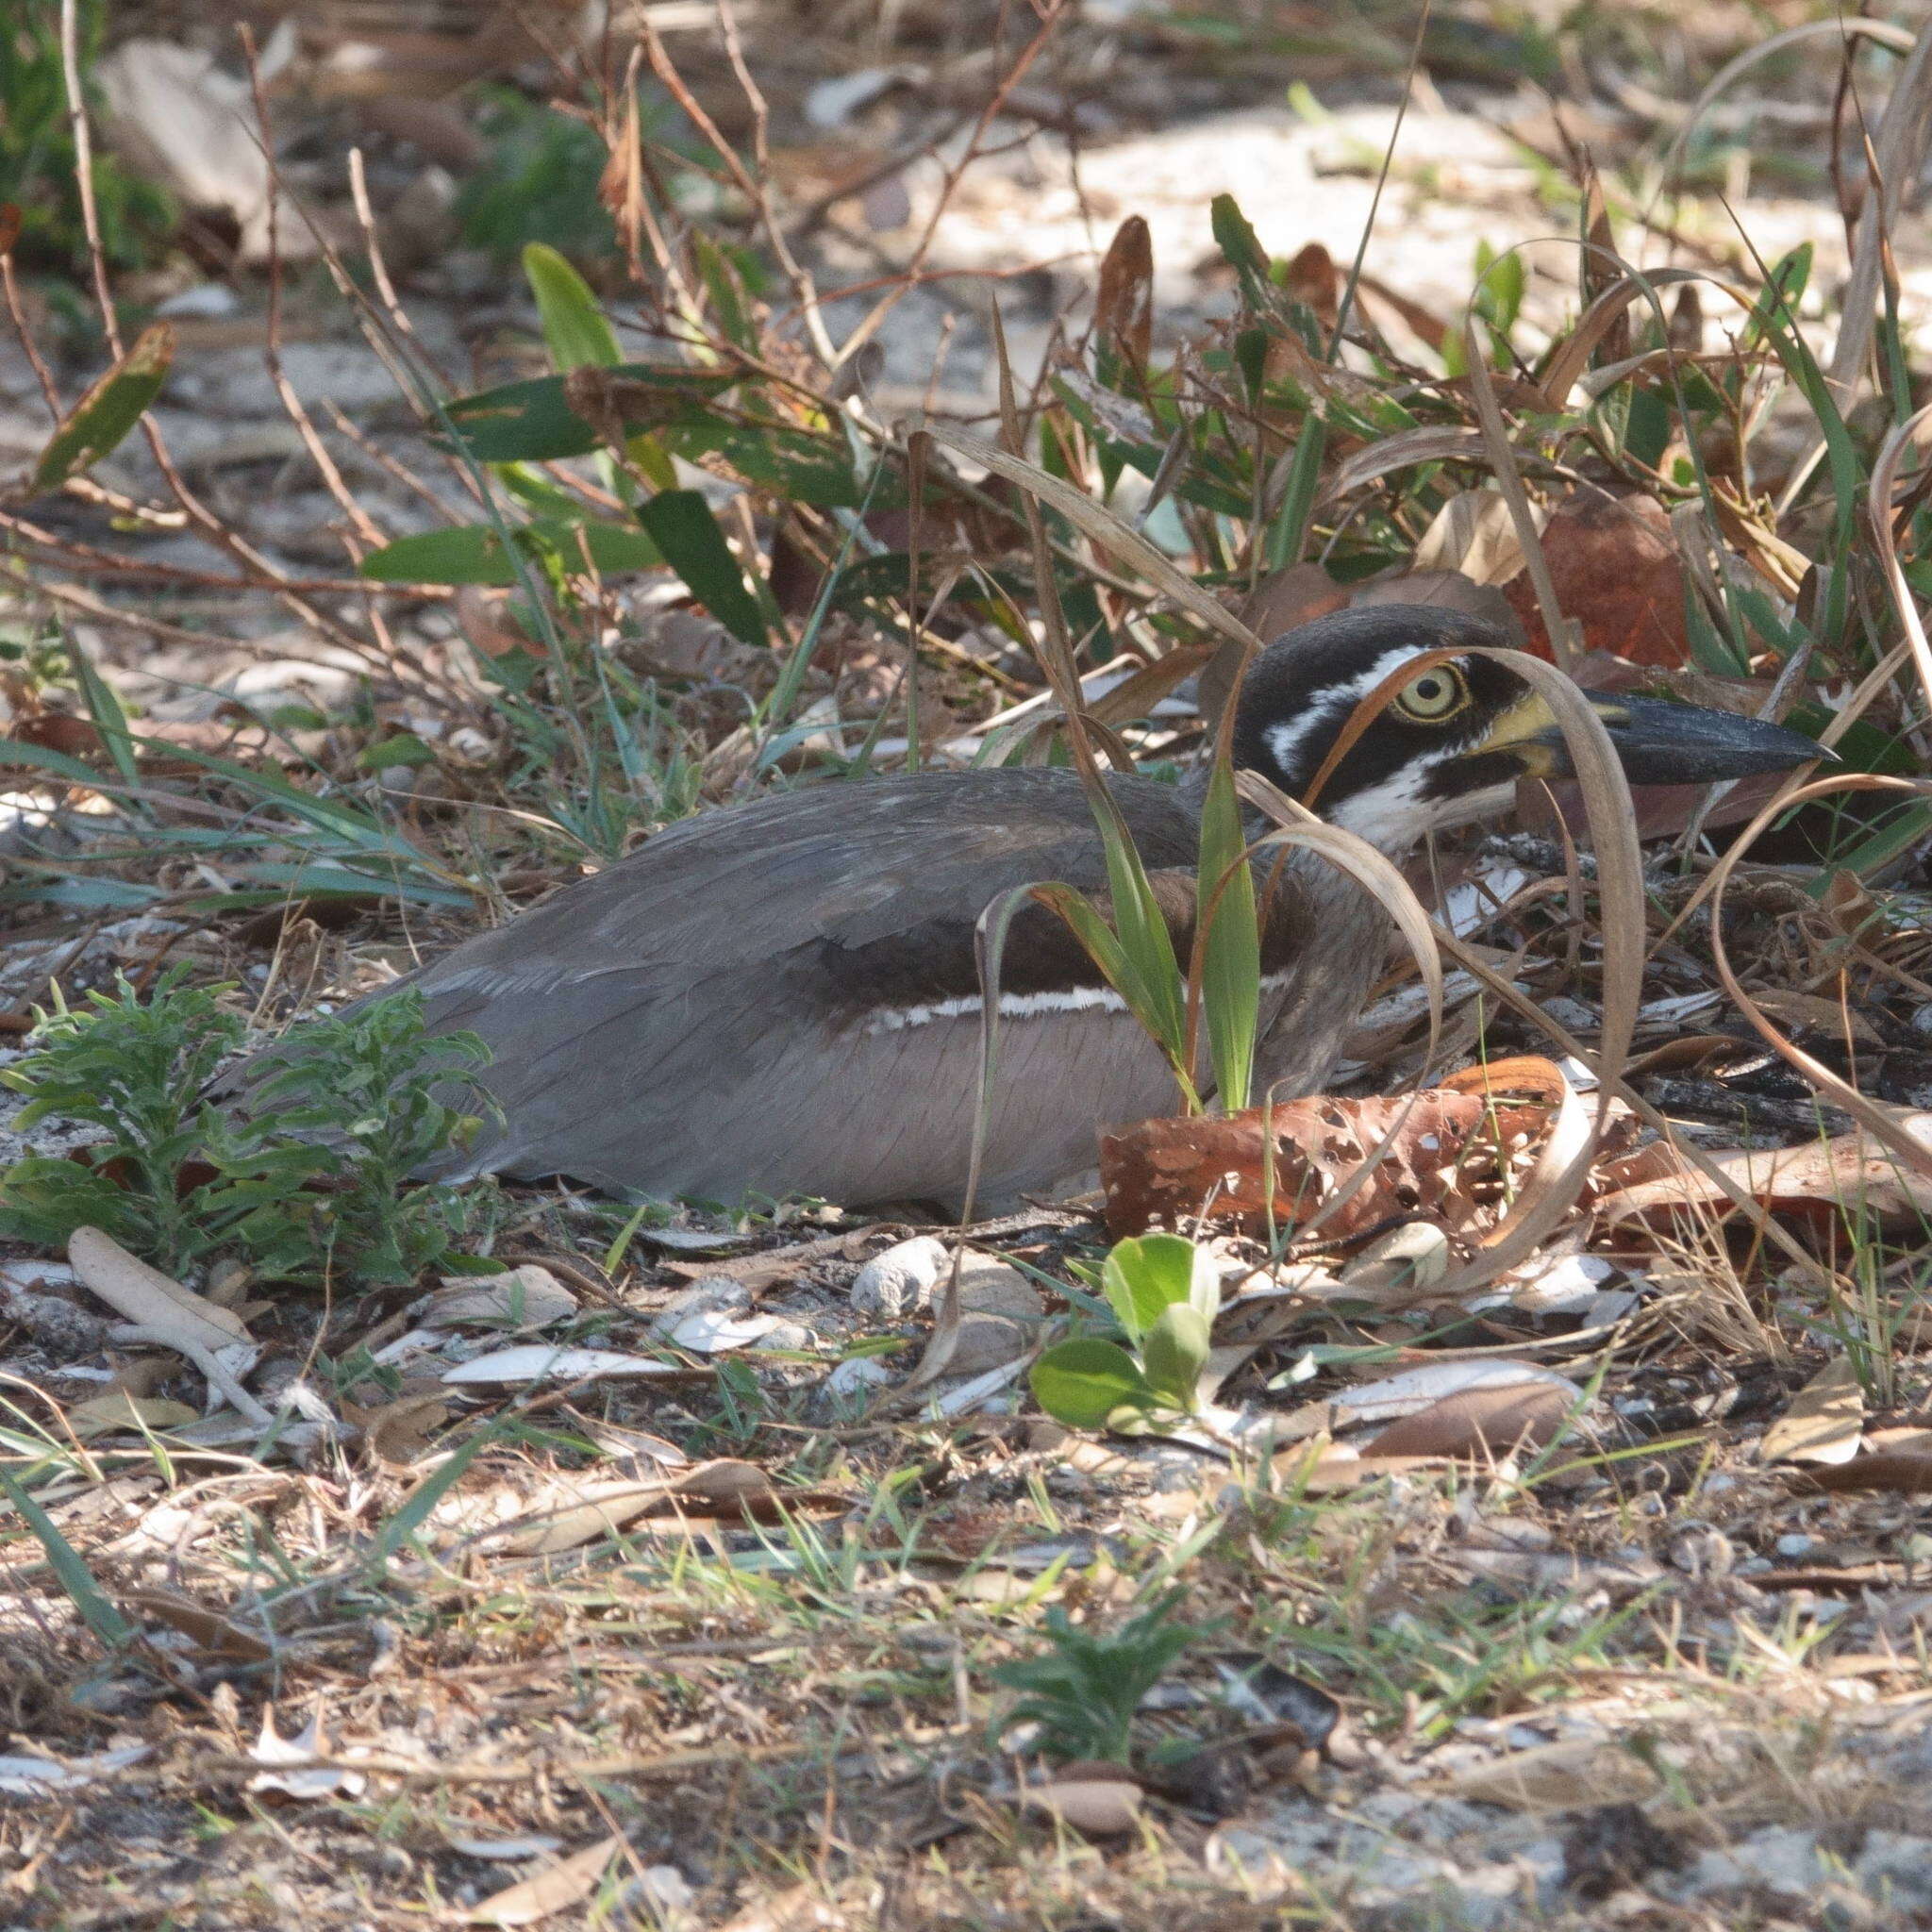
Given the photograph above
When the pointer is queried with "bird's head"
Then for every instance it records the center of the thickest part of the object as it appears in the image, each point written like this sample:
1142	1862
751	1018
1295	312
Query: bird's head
1448	747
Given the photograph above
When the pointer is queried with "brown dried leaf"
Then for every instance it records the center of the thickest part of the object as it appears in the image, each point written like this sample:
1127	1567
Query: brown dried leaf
1479	1421
564	1884
1168	1172
1824	1422
1615	566
1557	1777
1123	306
1102	1800
1815	1182
218	1636
1908	1475
119	1412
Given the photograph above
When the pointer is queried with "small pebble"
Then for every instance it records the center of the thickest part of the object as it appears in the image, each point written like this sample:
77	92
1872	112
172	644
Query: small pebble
900	1282
1796	1545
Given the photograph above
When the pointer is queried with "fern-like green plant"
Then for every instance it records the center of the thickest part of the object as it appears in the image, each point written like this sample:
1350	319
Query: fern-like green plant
1084	1689
313	1180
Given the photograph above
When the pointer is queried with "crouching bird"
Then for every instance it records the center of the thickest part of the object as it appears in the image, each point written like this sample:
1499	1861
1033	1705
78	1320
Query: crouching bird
782	998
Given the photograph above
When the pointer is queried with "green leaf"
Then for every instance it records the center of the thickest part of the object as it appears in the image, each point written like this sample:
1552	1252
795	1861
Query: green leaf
98	423
1230	939
1174	1353
1145	1276
576	328
1234	235
681	524
532	422
1085	1383
405	748
96	1612
787	463
477	554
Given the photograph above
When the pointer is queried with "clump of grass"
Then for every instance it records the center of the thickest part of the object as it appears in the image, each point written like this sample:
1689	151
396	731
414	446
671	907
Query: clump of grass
1084	1689
314	1182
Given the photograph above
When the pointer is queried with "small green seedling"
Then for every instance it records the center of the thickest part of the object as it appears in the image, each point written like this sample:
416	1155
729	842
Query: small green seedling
1164	1292
1084	1689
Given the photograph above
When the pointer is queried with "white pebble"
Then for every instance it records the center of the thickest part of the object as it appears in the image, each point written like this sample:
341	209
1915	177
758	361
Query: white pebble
900	1282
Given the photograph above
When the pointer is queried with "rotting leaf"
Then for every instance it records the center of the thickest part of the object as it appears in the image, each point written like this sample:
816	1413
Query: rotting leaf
1441	1162
1825	1421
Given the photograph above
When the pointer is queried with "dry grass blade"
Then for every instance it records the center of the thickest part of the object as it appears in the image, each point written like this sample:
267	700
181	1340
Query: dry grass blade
1568	361
1495	436
1105	528
1384	883
1887	1124
1405	450
1879	510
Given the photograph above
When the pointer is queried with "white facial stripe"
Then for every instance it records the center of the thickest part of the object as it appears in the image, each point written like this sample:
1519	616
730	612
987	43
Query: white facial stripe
1335	703
1395	813
1019	1006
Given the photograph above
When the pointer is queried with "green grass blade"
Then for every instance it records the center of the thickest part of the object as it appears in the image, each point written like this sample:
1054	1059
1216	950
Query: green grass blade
1227	942
76	1579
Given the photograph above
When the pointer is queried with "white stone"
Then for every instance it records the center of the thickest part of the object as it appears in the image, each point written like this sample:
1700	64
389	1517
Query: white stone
900	1282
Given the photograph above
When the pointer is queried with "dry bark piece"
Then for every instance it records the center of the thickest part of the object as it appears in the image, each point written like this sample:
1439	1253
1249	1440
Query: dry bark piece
523	1298
148	1298
1824	1422
538	1361
1557	1777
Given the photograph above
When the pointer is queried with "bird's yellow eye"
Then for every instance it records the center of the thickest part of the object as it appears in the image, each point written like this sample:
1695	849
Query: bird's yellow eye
1440	692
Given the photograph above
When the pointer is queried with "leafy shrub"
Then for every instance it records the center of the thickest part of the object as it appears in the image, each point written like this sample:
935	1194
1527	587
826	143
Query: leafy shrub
314	1182
39	167
537	184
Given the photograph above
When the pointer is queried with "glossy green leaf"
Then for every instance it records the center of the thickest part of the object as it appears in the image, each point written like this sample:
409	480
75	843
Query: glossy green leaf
681	524
532	422
477	554
100	420
574	326
1144	1276
1085	1383
1174	1355
787	464
1228	941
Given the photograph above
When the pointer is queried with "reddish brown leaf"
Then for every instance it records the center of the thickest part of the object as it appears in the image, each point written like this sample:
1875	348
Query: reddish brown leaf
1614	564
1908	1475
1124	306
1168	1172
